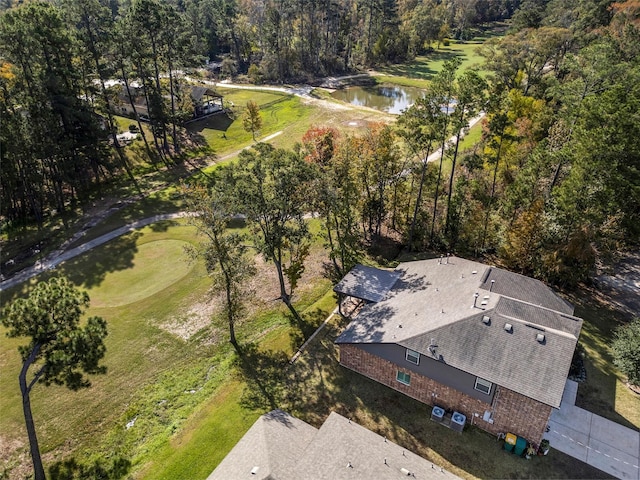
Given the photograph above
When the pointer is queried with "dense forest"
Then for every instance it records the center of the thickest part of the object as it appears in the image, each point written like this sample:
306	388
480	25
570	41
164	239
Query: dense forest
553	186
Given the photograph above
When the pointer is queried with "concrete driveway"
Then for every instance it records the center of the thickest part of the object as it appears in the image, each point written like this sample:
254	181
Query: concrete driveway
601	443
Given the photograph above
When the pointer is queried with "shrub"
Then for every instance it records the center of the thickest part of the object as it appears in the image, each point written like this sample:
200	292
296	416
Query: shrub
626	351
254	74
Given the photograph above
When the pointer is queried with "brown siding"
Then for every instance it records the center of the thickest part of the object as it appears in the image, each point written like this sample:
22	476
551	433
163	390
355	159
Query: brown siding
512	412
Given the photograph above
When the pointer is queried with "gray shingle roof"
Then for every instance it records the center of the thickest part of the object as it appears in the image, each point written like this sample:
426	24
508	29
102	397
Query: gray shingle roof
198	92
272	446
436	300
367	283
524	288
285	448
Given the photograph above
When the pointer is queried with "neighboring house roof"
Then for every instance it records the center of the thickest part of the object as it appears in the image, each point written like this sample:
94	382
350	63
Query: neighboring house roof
367	283
198	92
273	444
340	449
433	303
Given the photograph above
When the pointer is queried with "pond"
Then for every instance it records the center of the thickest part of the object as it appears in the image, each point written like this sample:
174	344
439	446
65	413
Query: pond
386	97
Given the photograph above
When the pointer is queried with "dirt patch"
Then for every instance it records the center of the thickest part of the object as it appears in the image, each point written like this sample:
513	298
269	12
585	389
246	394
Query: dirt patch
262	292
14	458
196	318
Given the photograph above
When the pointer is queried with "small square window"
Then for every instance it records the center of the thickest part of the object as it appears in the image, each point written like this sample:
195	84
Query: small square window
483	385
413	356
403	377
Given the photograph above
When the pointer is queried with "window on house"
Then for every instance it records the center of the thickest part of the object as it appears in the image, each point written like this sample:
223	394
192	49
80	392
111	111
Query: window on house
483	385
413	357
403	377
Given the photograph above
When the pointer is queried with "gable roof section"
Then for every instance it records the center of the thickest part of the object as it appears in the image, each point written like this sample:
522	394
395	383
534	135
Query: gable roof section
515	360
273	444
527	289
281	447
198	92
436	300
340	443
367	283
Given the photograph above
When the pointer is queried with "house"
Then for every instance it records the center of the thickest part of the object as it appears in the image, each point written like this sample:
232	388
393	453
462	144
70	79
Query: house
205	101
202	101
493	345
280	446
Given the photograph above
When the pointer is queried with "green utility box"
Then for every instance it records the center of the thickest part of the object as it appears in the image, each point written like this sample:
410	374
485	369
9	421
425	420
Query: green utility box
521	445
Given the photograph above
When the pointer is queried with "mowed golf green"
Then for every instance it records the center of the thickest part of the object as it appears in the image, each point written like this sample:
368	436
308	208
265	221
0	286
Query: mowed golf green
154	260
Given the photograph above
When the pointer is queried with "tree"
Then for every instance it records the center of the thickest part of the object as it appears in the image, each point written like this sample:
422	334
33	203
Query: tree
335	194
626	350
443	87
469	93
60	350
223	252
252	120
420	127
271	187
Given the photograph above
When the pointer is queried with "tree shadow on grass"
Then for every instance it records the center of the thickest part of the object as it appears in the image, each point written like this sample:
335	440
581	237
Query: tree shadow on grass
598	393
90	270
220	122
422	69
70	469
265	375
302	329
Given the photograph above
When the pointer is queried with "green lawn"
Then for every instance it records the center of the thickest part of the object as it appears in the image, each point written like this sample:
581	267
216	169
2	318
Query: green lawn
604	391
418	72
164	356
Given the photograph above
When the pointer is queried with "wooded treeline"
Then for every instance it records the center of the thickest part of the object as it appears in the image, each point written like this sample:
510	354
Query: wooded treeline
553	186
57	57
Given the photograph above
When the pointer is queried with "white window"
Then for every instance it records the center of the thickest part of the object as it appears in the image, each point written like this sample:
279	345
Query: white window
483	385
413	356
403	377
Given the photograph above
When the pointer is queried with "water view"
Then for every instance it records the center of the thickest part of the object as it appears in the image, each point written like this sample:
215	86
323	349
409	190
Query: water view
388	98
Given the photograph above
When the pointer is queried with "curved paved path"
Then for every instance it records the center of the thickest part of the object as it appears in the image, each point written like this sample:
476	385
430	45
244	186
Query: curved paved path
58	257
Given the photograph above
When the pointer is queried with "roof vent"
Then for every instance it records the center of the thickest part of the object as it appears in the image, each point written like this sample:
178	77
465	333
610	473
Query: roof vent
486	319
508	327
540	337
474	272
254	470
405	471
433	347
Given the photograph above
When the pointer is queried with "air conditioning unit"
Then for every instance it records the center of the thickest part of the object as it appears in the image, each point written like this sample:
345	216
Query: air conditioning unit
437	414
457	421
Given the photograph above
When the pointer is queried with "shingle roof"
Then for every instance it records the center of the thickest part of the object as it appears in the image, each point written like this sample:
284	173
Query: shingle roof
524	288
367	283
198	92
273	444
281	447
436	300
